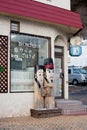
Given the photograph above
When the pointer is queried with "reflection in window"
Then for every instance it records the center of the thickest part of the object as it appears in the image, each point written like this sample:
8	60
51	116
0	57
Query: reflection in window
26	52
76	71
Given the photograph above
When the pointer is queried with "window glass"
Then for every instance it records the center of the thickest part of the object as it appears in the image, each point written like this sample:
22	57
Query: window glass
58	50
76	71
69	71
82	71
26	52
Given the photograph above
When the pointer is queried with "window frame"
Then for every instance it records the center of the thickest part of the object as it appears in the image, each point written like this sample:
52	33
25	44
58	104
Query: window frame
49	55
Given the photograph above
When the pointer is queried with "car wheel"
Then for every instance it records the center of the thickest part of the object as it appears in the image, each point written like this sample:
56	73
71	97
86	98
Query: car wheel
75	82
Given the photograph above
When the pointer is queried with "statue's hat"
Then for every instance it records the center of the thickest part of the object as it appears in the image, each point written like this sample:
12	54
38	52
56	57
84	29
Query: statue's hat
48	63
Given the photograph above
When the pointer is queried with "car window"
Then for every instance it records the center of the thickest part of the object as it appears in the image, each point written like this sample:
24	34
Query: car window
69	71
83	71
76	71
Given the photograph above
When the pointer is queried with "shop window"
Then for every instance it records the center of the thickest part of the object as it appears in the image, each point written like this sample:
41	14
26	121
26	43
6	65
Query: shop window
26	52
15	26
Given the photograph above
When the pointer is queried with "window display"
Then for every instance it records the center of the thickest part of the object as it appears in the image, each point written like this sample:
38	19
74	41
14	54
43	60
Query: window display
26	52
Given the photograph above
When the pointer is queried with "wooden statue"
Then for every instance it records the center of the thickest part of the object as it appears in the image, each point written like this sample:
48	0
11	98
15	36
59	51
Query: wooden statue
49	83
44	85
38	87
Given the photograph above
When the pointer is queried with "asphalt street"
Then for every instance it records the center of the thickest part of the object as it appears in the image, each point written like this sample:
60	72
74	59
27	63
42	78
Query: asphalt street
78	93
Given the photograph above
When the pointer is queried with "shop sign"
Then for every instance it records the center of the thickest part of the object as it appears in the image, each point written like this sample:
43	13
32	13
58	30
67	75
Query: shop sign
75	50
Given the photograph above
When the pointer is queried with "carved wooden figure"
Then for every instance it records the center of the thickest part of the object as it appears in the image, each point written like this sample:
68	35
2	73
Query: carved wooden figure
49	83
38	85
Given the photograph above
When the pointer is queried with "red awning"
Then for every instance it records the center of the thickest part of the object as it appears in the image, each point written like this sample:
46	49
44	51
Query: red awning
40	11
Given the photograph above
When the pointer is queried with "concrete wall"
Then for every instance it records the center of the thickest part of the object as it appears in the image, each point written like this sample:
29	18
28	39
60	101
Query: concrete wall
19	104
59	3
62	42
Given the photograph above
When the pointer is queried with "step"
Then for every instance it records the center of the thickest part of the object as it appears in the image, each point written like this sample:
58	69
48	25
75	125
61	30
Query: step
71	106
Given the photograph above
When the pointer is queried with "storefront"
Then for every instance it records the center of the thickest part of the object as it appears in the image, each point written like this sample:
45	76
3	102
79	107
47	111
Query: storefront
26	39
26	52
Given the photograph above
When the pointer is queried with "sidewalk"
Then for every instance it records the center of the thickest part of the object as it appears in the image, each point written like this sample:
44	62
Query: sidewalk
53	123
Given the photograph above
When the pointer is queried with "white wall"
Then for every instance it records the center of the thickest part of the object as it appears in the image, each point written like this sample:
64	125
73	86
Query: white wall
15	104
19	104
63	42
4	26
59	3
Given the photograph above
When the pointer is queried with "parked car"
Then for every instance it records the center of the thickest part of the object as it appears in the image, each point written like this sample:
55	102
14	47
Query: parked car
77	75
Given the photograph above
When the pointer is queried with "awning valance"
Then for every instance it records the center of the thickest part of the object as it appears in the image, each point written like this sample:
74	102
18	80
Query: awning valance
40	11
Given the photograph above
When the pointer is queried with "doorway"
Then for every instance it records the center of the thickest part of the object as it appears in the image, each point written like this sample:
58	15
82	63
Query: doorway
59	71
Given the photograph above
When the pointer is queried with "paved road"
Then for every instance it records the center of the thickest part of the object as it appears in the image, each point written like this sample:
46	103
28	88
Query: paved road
78	92
52	123
61	122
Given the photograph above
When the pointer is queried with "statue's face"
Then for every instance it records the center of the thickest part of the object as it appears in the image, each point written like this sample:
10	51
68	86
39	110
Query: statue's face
39	75
50	75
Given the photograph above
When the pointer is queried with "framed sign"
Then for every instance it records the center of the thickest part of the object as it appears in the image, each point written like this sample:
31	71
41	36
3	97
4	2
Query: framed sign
75	50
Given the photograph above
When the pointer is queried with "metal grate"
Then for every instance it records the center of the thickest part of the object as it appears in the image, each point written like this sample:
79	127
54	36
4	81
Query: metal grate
3	64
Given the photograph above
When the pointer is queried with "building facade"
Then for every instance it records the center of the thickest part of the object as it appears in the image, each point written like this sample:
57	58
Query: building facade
61	4
31	31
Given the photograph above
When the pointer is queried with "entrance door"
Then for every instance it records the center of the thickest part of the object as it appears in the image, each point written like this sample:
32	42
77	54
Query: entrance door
59	72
